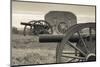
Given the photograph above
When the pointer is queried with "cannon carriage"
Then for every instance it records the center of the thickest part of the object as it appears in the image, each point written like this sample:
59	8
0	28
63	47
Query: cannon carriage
81	38
38	27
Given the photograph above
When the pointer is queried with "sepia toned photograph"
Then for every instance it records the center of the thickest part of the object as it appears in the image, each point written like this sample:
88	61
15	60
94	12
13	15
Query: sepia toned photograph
52	33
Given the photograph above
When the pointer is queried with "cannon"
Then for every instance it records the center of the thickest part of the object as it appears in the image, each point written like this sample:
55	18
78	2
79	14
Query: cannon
38	27
82	40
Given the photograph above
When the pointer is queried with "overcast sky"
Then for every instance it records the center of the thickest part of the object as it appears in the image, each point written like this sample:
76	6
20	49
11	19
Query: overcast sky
38	10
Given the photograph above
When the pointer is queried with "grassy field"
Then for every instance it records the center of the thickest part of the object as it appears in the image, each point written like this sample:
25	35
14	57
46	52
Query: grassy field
27	50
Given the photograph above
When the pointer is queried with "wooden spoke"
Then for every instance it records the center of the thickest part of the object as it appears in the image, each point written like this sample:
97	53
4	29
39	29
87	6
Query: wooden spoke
81	38
76	57
76	48
70	60
24	32
64	52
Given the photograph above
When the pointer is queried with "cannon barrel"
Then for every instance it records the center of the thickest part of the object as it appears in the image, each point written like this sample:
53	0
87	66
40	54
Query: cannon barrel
28	24
58	38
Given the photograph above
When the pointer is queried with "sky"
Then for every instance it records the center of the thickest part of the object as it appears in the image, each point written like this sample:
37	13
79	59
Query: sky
27	11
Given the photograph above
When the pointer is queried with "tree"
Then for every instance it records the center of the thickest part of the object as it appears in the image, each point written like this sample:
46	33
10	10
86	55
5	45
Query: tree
14	30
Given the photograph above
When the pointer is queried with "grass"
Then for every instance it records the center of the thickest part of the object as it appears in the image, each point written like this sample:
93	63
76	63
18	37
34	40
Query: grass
27	50
32	56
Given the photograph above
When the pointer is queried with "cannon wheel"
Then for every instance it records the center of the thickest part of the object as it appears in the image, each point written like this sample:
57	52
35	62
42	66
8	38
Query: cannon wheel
47	29
79	54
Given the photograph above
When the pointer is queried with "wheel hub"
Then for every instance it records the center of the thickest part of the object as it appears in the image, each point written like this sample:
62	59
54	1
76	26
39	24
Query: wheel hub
91	57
